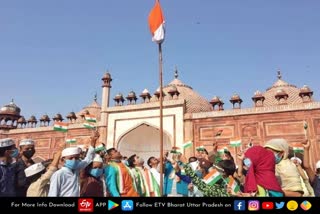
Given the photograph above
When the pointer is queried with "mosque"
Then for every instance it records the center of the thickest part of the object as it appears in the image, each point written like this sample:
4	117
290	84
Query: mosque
132	126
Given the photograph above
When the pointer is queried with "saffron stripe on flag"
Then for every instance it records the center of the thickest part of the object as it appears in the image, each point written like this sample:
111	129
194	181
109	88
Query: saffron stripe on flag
60	126
156	23
212	177
90	118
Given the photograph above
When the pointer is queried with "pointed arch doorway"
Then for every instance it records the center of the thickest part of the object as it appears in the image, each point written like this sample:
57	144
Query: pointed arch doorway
144	141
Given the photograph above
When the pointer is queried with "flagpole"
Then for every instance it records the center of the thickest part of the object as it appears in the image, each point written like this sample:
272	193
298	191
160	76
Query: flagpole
161	120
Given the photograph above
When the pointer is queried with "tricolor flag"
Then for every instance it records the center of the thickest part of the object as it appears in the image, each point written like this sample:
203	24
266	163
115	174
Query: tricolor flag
60	126
235	143
187	145
156	23
297	149
71	140
89	125
90	118
212	177
233	185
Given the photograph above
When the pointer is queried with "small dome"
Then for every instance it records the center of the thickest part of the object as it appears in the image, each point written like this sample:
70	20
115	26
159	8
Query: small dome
118	97
281	92
58	117
10	108
21	120
132	94
235	97
45	118
305	89
106	76
71	115
32	119
215	100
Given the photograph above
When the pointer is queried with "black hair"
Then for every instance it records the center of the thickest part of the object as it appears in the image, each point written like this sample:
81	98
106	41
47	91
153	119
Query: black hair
149	161
4	149
228	166
130	160
192	159
110	150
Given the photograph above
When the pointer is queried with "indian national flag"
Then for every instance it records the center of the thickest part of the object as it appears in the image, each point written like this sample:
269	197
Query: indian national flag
187	145
71	140
212	177
89	125
233	185
235	143
156	23
298	149
90	118
60	126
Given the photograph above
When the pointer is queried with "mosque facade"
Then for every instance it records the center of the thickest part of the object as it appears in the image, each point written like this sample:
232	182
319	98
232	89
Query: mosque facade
131	123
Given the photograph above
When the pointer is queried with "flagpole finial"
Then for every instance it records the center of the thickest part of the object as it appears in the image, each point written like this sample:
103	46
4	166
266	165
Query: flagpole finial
95	97
176	74
279	74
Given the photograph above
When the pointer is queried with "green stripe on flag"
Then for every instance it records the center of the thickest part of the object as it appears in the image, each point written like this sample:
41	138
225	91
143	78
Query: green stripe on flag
71	140
89	126
187	145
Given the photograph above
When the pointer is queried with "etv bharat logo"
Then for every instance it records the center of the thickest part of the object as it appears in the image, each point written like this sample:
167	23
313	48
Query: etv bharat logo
85	205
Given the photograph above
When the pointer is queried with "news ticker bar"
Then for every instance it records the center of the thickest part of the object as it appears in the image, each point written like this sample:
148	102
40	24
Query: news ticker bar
281	205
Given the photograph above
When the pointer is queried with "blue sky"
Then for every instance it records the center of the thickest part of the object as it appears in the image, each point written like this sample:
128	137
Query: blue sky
54	53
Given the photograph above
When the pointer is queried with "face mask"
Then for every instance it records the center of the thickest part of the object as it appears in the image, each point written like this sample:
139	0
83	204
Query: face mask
96	172
15	153
278	158
71	164
29	153
247	162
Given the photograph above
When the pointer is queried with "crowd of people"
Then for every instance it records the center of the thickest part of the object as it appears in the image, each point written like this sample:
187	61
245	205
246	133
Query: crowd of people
95	171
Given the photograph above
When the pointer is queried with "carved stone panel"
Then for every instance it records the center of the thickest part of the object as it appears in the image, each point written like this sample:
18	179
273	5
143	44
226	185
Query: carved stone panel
284	128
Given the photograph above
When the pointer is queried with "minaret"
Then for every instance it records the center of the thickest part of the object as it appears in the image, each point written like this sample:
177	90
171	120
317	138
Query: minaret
104	105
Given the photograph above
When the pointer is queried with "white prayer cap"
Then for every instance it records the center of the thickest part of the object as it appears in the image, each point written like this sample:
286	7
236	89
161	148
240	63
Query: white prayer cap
6	142
70	151
194	165
318	165
26	142
97	158
34	169
297	159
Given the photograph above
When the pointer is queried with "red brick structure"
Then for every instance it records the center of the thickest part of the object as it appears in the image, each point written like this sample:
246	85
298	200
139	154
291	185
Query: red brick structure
279	112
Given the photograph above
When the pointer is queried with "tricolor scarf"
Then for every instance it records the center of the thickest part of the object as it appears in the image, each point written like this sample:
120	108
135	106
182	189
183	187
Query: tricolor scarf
154	188
120	181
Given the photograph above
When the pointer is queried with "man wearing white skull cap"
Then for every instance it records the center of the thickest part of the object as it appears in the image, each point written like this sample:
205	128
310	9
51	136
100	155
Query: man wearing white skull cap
39	177
92	183
8	151
65	181
27	150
